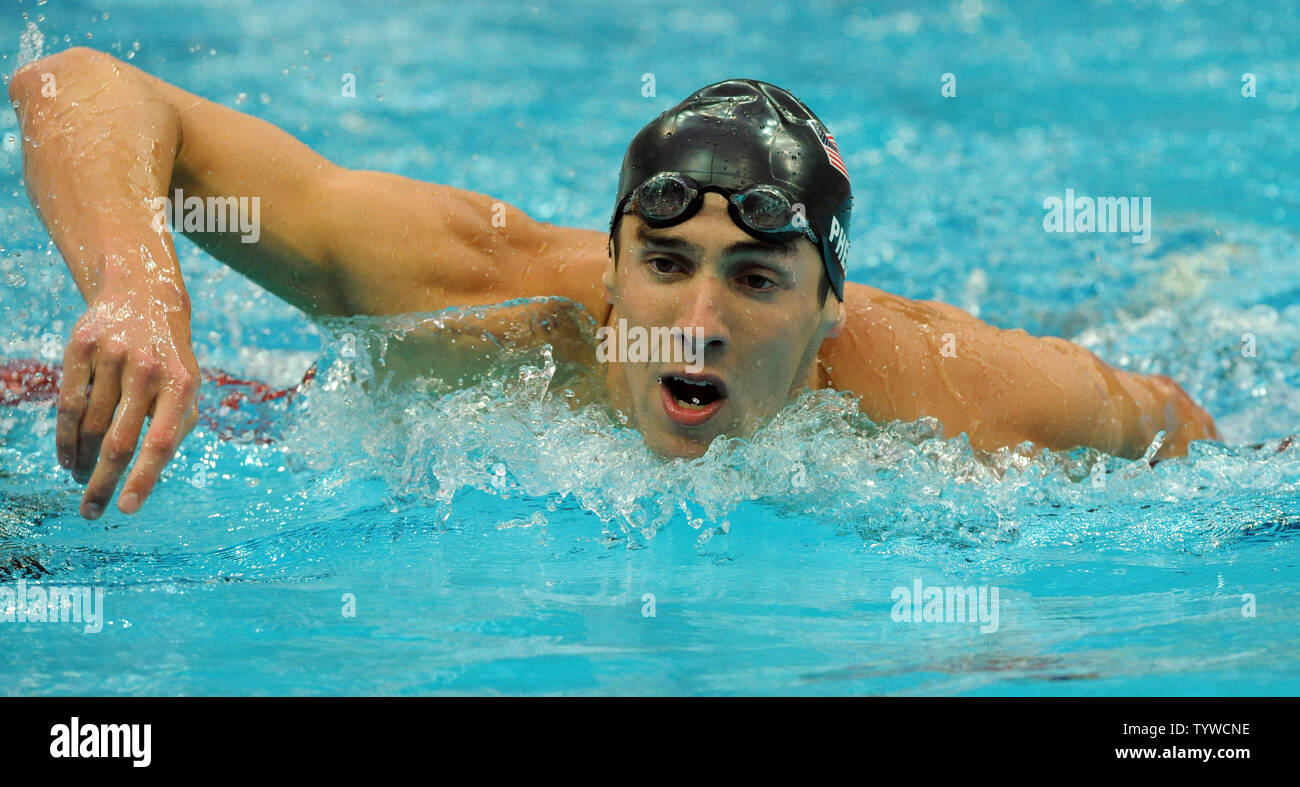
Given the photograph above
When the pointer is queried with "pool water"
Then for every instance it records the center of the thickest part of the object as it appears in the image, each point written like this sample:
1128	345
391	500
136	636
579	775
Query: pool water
361	538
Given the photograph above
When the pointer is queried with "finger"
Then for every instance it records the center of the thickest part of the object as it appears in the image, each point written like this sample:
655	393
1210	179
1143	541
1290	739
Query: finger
173	418
115	455
105	393
72	402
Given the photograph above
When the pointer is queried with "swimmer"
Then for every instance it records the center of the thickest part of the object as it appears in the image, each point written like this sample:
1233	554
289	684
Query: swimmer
731	223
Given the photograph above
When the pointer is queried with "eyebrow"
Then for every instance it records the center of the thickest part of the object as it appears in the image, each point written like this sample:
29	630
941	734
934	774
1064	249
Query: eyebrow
749	248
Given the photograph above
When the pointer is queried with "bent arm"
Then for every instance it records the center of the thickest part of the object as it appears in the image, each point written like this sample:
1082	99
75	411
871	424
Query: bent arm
330	240
111	139
93	158
908	359
102	141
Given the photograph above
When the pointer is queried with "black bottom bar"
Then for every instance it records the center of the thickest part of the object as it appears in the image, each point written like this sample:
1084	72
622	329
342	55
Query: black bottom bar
232	737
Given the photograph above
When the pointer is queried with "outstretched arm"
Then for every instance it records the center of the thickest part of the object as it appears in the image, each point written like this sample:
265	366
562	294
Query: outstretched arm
908	359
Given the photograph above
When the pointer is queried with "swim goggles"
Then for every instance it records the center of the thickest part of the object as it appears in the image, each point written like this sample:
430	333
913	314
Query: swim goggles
668	198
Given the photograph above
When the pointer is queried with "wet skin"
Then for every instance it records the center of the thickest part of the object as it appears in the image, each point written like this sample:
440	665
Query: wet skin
753	306
335	242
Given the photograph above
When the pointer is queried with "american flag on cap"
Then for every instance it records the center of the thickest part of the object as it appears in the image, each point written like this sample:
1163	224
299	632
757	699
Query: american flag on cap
832	150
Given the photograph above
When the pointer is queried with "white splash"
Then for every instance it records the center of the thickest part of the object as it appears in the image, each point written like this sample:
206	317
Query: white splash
31	45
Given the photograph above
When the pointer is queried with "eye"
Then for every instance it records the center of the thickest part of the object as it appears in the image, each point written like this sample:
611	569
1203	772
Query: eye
663	265
755	281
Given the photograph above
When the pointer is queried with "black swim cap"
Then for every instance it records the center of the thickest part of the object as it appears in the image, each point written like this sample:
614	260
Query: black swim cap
743	132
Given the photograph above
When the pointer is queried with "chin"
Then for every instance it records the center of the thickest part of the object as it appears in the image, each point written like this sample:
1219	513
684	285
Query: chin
671	446
670	441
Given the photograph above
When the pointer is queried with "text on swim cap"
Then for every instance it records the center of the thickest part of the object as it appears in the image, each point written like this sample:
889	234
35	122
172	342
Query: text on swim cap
839	240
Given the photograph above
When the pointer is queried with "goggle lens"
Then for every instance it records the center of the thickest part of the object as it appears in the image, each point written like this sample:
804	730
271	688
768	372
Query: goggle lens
766	210
664	198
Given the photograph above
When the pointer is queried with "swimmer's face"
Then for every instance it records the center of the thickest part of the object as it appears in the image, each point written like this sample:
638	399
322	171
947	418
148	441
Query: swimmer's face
751	310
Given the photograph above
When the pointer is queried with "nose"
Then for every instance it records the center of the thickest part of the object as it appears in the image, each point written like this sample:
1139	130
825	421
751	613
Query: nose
703	318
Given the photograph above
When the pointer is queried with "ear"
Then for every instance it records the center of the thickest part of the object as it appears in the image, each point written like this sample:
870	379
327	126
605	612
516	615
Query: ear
607	278
834	316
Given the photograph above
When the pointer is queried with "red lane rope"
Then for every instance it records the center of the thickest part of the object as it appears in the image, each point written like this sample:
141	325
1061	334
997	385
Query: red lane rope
33	381
30	380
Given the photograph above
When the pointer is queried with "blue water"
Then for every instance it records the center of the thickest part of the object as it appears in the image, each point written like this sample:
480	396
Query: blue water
496	542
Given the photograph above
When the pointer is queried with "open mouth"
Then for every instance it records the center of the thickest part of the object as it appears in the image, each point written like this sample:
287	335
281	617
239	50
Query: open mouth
691	399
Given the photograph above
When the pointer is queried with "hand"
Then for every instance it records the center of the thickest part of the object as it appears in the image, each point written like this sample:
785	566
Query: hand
129	356
1185	420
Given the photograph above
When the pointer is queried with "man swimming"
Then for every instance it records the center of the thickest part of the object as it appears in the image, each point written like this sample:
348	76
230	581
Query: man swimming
731	224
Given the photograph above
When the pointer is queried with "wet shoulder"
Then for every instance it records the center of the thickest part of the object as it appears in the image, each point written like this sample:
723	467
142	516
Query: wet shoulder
881	351
569	264
453	348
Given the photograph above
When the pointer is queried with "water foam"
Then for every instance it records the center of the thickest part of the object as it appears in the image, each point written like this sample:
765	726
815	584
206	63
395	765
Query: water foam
514	434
